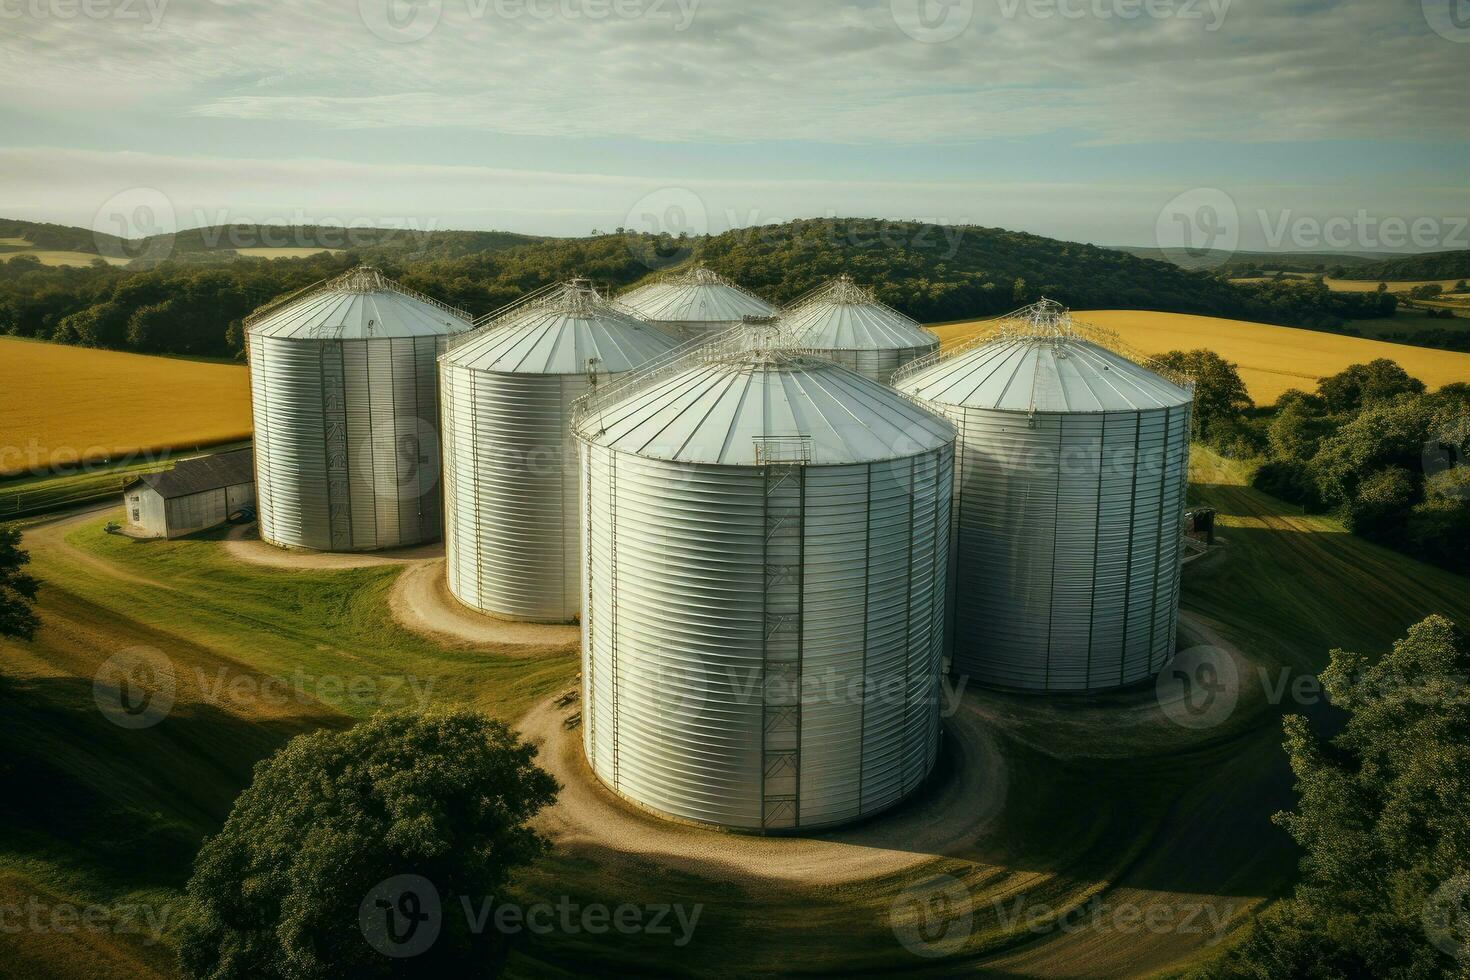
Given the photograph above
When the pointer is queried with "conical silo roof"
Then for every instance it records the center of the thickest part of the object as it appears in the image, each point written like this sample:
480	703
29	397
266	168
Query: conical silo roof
362	304
726	402
561	331
698	295
1038	360
844	316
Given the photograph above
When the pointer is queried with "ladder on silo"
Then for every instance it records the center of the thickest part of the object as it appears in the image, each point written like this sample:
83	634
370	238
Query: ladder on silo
334	435
784	462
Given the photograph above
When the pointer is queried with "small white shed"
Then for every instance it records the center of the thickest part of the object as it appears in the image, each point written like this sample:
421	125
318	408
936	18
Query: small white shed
196	494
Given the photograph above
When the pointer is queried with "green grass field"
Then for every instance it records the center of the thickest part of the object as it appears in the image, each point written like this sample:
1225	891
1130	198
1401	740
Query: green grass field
1138	813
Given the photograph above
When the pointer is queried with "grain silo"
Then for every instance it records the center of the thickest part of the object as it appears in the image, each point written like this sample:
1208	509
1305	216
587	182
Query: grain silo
766	538
512	529
846	323
694	304
346	401
1073	460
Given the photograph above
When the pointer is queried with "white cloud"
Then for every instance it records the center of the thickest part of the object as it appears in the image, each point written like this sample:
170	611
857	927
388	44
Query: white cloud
750	70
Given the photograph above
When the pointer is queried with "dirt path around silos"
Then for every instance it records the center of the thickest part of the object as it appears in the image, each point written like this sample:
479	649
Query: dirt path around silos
50	532
421	602
243	544
945	819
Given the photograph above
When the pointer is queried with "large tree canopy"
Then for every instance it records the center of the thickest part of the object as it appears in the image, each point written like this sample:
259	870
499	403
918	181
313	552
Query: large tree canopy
286	889
1383	821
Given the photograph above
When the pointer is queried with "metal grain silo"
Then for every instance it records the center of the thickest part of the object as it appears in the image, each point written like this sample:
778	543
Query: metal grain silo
694	304
346	402
512	531
847	324
766	547
1073	461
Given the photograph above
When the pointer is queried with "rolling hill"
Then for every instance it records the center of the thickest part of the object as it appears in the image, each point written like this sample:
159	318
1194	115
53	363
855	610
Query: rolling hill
236	240
1275	261
193	302
1435	265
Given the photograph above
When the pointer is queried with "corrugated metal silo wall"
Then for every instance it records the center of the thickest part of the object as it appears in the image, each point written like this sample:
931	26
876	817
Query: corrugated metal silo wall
512	525
731	616
1068	546
347	441
879	365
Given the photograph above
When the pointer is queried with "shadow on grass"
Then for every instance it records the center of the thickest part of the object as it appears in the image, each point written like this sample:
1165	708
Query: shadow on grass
129	807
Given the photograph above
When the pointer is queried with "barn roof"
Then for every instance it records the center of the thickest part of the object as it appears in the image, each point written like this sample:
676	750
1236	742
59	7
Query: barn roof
202	473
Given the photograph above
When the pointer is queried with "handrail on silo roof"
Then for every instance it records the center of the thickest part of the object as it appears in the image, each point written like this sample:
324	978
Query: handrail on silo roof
362	279
758	335
1045	321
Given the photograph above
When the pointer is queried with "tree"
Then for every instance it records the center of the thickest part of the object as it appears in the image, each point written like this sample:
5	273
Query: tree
1382	821
1297	427
17	589
1380	508
1363	384
1382	435
286	888
1220	397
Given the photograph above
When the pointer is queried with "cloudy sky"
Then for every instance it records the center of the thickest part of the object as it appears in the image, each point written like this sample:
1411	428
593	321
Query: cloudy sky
1306	124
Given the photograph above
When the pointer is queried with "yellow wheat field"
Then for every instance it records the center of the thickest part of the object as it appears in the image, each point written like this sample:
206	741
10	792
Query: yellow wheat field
63	405
1271	359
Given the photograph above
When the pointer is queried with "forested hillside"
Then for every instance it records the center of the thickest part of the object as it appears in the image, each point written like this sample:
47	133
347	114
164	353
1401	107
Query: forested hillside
193	302
1415	268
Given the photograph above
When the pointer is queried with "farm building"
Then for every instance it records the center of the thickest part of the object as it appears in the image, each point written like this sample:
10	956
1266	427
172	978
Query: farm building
846	323
765	533
194	495
345	393
1071	471
512	533
695	304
